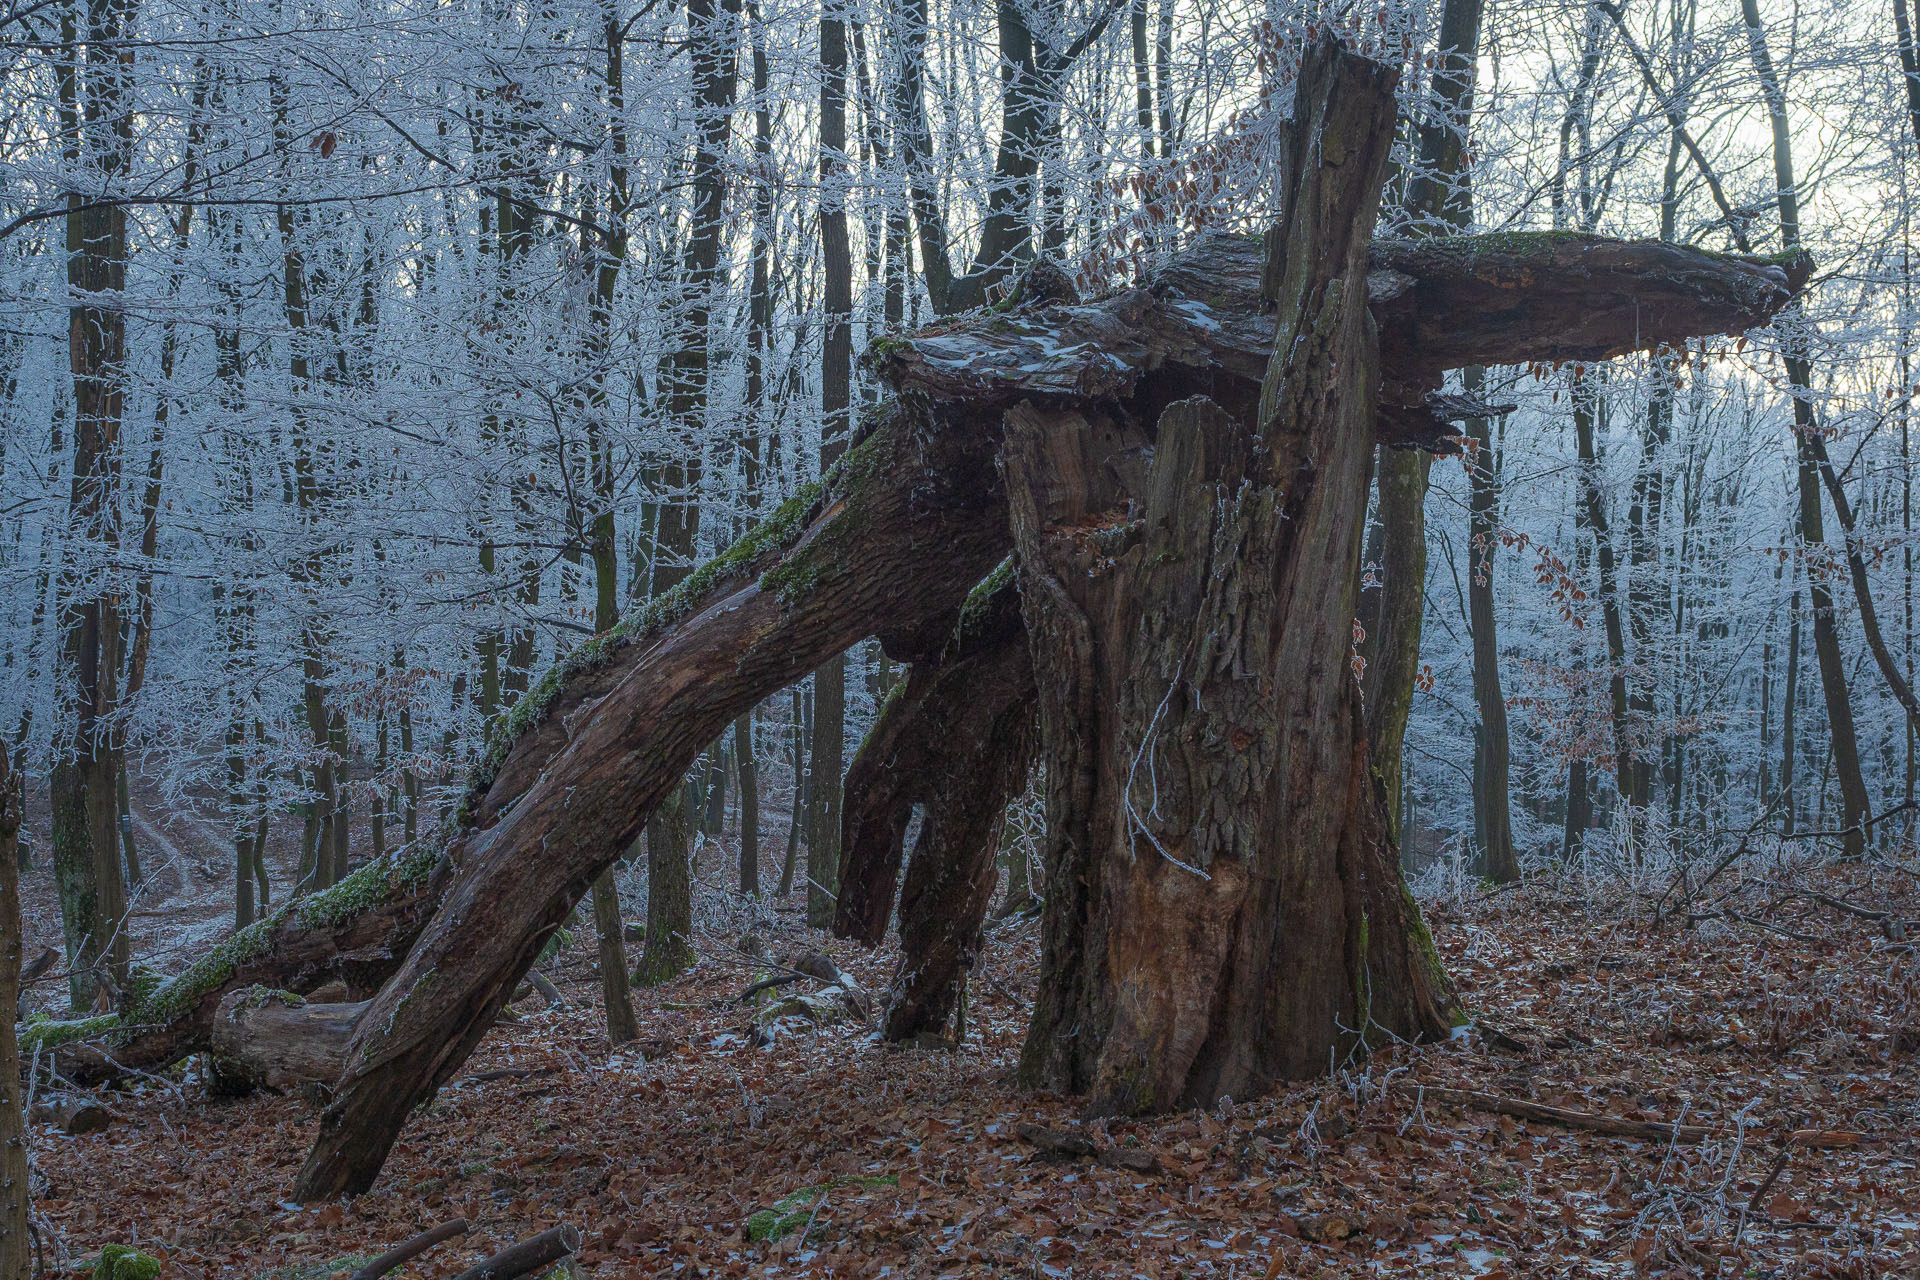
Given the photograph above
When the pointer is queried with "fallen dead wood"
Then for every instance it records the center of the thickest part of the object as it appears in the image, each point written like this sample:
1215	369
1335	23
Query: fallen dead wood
278	1040
410	1250
1613	1126
71	1114
1540	1113
1064	1144
526	1257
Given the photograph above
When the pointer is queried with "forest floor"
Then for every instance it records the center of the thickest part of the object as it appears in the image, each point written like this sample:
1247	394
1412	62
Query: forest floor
1779	1015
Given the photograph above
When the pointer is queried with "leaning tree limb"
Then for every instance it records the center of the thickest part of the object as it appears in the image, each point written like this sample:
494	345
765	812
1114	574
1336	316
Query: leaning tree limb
957	738
892	545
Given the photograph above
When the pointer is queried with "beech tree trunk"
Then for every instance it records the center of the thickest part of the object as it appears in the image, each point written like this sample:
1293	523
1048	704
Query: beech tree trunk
1437	199
1226	905
16	1247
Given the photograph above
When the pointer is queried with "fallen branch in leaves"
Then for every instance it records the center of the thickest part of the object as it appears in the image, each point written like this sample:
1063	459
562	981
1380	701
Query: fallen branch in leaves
1062	1144
410	1249
71	1114
1614	1126
526	1257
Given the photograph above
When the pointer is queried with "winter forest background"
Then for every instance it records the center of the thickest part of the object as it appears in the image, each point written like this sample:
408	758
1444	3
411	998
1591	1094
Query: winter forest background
453	331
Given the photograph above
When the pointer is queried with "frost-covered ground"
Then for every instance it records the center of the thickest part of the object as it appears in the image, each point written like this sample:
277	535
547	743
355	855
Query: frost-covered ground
1780	1014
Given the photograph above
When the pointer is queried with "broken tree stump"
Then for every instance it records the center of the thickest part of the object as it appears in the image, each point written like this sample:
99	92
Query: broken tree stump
1228	909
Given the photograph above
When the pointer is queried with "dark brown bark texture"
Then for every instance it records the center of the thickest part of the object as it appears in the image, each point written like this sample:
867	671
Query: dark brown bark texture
957	738
1228	907
890	546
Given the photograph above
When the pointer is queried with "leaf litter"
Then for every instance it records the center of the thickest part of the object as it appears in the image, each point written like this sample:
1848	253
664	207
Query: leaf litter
1777	1038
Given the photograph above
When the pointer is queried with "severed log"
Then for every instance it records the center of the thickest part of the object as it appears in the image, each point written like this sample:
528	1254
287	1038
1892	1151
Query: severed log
528	1256
408	1250
957	738
71	1113
1439	304
275	1039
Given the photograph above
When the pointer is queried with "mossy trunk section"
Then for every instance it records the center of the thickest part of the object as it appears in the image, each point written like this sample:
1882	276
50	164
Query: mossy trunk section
87	876
610	935
1391	615
1225	905
906	526
956	738
356	932
668	952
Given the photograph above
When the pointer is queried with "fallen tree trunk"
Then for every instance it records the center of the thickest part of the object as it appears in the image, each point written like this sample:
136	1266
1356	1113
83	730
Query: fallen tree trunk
357	932
275	1039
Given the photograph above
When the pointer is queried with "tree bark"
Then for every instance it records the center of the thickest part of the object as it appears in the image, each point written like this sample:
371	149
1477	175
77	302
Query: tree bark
1437	199
957	738
610	935
1492	802
669	951
86	847
264	1038
16	1246
1226	906
836	397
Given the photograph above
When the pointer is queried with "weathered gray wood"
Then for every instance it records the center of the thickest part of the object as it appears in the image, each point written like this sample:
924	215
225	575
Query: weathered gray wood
275	1039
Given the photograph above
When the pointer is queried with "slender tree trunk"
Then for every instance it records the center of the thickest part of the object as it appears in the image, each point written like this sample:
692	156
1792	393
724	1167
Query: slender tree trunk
1492	820
87	858
828	752
1789	698
621	1027
16	1246
749	770
1438	198
1797	351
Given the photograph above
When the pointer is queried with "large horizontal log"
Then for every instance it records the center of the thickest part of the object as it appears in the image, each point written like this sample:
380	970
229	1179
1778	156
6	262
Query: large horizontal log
1440	304
277	1040
355	932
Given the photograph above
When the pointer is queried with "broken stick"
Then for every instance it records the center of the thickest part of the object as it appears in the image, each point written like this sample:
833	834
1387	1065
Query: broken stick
410	1250
526	1257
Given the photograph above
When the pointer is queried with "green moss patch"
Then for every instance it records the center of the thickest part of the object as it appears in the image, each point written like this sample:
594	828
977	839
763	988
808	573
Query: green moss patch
121	1262
781	529
44	1033
790	1212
